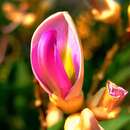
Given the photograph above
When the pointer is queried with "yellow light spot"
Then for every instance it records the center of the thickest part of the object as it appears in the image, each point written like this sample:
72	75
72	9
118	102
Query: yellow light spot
29	19
128	14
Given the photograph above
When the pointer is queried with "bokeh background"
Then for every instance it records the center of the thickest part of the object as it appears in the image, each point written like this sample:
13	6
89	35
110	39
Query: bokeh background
18	21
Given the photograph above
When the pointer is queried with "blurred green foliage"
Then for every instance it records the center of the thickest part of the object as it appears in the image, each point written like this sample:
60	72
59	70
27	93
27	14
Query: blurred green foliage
17	111
120	122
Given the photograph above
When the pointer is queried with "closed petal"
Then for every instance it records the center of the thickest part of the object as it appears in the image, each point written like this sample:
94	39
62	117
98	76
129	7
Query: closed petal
49	67
88	121
52	70
36	69
77	56
55	22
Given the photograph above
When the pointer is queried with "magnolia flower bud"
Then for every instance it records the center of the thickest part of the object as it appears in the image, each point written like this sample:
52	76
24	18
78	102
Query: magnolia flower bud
82	121
105	103
57	61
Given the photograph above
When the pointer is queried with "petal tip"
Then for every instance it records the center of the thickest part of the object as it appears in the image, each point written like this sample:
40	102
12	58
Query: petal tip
116	91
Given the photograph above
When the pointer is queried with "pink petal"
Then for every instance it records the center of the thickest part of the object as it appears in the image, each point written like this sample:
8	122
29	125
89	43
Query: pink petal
77	55
52	70
36	69
55	22
75	50
116	91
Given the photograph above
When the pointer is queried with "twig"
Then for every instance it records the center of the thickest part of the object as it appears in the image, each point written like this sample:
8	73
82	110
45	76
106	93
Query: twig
40	106
99	76
9	28
3	47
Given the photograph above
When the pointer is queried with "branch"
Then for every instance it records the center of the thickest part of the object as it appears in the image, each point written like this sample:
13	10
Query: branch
39	95
99	76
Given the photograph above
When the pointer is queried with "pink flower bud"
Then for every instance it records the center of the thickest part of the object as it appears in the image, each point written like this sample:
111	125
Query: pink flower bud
56	57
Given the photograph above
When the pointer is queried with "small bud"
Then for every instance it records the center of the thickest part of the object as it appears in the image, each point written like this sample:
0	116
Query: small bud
73	122
82	121
105	103
54	115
